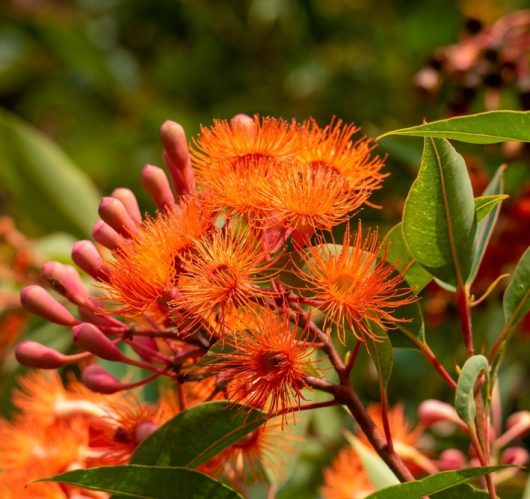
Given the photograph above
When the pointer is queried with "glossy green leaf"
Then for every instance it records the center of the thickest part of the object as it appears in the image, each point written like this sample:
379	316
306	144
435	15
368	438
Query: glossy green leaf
464	395
377	470
197	434
487	208
42	182
439	219
148	482
462	491
516	302
482	128
407	333
433	483
397	253
380	351
485	204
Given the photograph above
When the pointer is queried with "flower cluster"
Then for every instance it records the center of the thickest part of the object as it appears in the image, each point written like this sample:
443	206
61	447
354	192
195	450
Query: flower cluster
231	270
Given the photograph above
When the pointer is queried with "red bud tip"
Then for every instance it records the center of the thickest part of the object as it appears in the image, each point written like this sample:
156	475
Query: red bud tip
99	380
432	411
89	338
144	429
106	236
451	459
65	280
112	211
177	157
143	346
36	300
87	257
515	455
32	354
156	183
128	199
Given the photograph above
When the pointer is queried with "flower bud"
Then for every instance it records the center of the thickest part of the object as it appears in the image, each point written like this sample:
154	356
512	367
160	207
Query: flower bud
177	157
32	354
38	301
65	280
143	345
97	379
432	411
87	257
106	236
156	183
101	320
113	212
128	199
91	339
515	455
451	459
144	430
520	419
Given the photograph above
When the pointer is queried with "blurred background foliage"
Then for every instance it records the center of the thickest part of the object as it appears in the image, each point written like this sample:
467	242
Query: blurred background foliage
98	78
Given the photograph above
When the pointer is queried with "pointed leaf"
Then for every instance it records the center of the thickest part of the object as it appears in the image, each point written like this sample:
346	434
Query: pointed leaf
439	219
380	351
197	434
433	483
148	482
405	332
486	220
377	470
398	254
42	181
464	395
516	301
461	491
481	128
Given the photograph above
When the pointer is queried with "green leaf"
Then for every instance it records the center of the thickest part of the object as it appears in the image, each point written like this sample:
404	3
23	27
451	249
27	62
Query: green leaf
405	332
433	483
197	434
485	204
398	254
516	301
486	220
380	351
439	219
42	182
377	470
464	396
148	482
481	128
461	491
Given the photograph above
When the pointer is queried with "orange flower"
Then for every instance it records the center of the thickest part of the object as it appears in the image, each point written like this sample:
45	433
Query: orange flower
331	148
237	142
262	449
265	367
346	478
352	287
304	198
222	272
144	269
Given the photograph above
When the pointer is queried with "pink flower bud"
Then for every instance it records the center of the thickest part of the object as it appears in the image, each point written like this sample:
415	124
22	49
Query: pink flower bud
451	459
156	183
38	301
106	236
112	211
127	197
515	455
87	257
177	157
520	419
32	354
91	339
144	430
65	280
432	411
242	121
97	379
142	345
